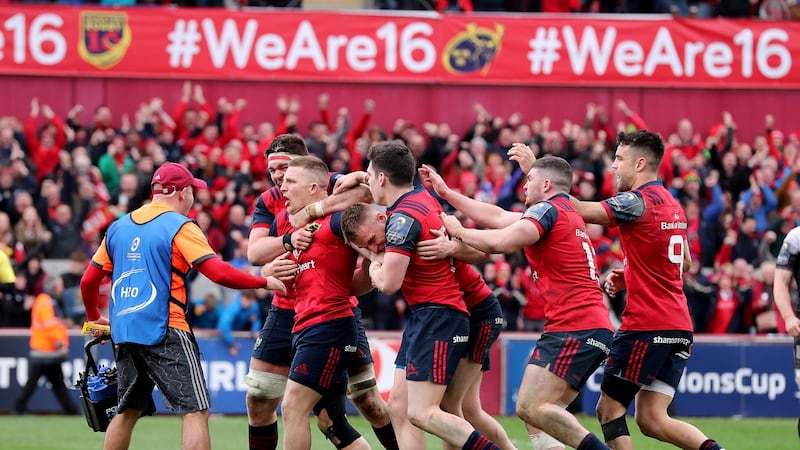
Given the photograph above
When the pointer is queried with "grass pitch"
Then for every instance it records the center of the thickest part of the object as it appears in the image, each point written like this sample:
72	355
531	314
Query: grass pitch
163	432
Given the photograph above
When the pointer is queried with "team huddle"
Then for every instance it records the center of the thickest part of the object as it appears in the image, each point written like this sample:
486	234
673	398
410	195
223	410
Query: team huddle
324	238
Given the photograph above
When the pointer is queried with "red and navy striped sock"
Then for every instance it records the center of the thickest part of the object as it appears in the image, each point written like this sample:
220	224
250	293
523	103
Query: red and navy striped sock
477	441
264	437
710	444
386	436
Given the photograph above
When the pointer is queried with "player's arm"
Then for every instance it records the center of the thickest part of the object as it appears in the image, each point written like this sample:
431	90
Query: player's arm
443	247
507	240
330	204
361	280
783	300
388	277
786	265
484	214
264	244
263	248
592	212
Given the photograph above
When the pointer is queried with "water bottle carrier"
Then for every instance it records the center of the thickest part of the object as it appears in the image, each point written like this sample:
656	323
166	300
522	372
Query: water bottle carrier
98	390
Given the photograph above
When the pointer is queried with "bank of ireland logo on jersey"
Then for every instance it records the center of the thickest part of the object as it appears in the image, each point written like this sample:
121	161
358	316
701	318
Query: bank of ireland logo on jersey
104	38
473	50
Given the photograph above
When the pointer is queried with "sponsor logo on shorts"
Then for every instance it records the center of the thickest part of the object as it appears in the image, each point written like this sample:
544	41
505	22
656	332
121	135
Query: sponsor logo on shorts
460	339
595	343
350	348
671	340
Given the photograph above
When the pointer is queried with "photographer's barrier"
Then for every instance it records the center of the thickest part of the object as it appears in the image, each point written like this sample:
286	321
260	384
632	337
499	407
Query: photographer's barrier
730	376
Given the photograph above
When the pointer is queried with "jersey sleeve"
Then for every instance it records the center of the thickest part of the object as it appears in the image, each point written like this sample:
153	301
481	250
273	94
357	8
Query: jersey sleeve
262	216
273	228
336	225
402	233
625	207
333	177
192	244
101	260
543	215
789	255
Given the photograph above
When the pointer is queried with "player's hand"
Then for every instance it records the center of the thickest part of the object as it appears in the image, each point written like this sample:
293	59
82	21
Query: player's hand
299	219
615	282
431	179
523	155
793	326
438	248
274	284
349	181
281	268
301	239
374	267
368	254
451	223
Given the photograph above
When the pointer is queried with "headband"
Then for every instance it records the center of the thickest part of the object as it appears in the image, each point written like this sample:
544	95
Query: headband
280	156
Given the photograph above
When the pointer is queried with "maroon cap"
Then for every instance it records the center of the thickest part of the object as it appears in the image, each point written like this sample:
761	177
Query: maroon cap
177	176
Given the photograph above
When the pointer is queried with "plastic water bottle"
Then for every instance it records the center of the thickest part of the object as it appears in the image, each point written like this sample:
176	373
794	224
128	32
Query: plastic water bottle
98	387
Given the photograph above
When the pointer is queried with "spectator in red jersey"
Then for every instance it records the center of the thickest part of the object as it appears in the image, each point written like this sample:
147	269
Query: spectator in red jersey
727	305
44	144
190	120
765	317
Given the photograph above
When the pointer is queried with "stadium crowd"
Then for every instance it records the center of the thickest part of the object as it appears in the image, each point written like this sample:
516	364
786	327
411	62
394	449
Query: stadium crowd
64	179
737	9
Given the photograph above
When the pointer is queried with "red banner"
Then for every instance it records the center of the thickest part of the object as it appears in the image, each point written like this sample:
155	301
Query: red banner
425	48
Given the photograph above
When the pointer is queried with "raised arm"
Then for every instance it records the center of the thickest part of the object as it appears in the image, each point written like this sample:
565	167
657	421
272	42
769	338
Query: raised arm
443	247
507	240
331	204
592	212
484	214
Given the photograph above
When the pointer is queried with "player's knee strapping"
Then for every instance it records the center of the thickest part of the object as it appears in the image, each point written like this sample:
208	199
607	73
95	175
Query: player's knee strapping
265	385
615	428
340	433
622	391
361	383
543	441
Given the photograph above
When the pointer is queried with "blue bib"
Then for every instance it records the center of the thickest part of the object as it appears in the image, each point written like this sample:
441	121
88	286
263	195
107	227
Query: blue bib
142	277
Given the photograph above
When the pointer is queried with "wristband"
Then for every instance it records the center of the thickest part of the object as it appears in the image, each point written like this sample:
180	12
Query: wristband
459	234
314	210
287	242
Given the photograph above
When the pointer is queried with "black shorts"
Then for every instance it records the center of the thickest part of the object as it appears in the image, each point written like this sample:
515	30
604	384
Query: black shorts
485	323
173	365
645	356
274	342
322	354
572	356
436	339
